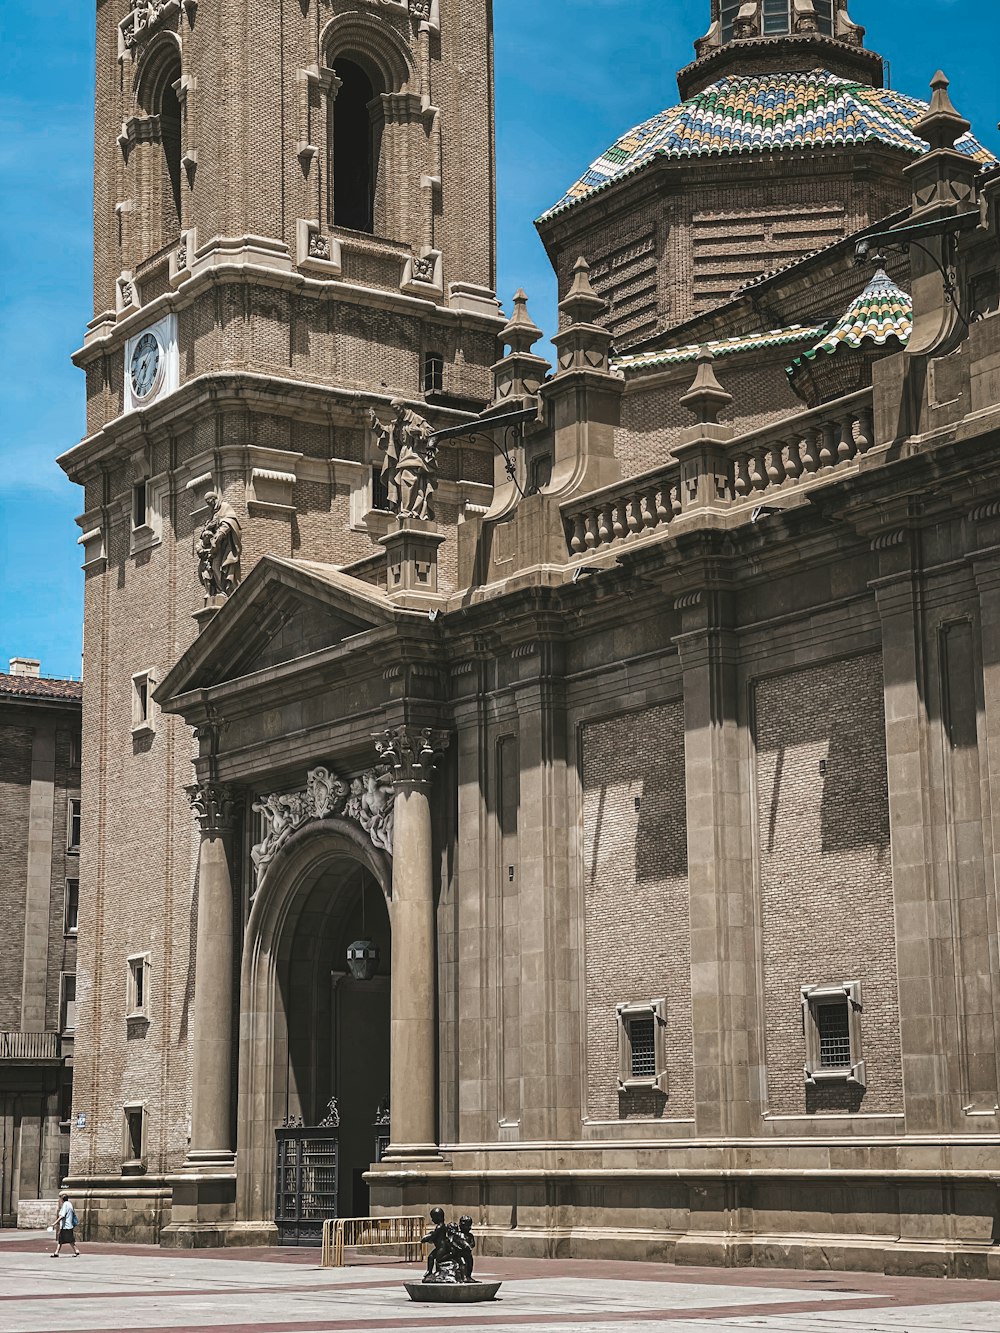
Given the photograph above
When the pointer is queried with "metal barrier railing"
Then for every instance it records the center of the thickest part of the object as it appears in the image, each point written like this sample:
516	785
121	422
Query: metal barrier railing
342	1233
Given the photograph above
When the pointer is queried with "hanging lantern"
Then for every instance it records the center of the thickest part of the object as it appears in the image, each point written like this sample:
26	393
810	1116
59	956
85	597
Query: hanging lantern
362	959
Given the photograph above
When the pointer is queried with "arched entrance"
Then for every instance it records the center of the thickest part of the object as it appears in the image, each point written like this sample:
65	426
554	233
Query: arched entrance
309	1031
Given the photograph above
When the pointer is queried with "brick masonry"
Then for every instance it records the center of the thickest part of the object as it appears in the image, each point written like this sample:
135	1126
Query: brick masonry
637	920
826	874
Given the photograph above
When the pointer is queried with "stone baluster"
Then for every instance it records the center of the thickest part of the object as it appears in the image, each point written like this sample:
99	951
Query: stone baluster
604	524
846	447
829	437
619	518
577	541
647	509
212	1027
791	460
591	537
410	754
741	475
774	464
758	478
810	450
865	430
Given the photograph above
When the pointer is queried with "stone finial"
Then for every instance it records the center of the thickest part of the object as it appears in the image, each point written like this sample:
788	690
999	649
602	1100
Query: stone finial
521	332
942	124
581	304
706	397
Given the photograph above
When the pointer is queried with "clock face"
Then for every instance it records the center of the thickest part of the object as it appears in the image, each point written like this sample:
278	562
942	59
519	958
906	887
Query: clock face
147	365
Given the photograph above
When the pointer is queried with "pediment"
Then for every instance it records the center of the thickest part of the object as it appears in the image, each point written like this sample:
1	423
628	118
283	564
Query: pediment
285	610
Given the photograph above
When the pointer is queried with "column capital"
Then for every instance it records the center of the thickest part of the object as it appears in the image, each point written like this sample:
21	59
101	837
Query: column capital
410	753
214	805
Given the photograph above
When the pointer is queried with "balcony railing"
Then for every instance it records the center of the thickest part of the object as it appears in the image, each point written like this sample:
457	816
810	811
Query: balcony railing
23	1046
803	450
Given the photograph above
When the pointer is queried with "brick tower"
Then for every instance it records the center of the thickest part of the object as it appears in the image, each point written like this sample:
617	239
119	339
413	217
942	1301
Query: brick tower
294	225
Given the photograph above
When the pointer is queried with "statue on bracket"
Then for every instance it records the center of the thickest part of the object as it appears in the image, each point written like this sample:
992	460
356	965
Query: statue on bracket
219	548
409	465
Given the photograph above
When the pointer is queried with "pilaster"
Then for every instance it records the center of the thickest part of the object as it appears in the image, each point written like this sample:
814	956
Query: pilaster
718	853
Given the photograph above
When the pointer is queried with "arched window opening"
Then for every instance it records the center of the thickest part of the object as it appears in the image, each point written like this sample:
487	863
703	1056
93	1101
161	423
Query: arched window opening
357	138
170	138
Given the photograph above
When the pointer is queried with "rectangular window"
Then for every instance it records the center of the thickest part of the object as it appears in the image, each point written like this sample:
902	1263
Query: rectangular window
831	1024
135	1125
380	492
730	9
433	373
138	986
140	504
824	12
71	917
642	1045
74	749
984	293
74	821
67	1006
777	19
143	685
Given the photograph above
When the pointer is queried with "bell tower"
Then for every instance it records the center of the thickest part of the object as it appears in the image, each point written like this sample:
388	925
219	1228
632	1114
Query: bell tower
763	36
294	216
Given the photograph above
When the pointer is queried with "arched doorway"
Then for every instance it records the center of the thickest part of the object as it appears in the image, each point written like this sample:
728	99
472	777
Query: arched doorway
310	1032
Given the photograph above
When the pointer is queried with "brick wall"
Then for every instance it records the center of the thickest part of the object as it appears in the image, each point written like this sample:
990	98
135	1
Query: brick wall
637	920
826	873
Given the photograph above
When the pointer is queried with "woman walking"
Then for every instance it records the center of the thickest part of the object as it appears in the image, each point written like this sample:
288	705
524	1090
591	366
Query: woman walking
66	1224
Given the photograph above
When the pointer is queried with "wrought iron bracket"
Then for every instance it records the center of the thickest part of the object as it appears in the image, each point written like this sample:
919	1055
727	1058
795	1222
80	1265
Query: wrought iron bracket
898	241
512	426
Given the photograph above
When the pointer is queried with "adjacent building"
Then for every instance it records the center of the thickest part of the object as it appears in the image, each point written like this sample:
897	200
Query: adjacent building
40	822
591	821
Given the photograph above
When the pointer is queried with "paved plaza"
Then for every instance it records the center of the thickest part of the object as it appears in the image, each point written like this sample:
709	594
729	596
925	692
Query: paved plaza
153	1291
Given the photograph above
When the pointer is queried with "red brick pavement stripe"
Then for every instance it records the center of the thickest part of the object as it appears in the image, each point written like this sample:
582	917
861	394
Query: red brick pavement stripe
133	1293
577	1319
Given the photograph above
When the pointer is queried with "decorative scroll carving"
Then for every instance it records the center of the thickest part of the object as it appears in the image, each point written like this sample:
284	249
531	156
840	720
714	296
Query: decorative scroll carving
409	466
367	800
214	805
410	753
144	18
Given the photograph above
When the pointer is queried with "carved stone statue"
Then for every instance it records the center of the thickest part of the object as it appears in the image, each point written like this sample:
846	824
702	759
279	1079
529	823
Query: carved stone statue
409	468
219	548
451	1259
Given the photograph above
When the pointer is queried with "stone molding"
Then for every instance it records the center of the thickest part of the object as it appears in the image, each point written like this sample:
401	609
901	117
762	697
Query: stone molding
410	754
214	806
367	800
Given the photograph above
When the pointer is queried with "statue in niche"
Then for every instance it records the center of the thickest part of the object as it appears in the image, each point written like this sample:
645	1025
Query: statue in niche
219	548
451	1259
409	465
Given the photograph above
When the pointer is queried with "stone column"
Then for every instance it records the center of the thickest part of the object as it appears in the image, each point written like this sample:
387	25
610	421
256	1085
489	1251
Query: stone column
212	1030
411	753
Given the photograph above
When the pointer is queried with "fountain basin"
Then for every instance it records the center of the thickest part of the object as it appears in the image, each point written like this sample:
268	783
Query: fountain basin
452	1293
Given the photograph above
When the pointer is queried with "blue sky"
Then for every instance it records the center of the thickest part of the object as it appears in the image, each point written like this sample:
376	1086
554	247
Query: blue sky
572	75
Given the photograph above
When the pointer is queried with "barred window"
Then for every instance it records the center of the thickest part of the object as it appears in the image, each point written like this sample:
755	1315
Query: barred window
642	1045
831	1025
834	1023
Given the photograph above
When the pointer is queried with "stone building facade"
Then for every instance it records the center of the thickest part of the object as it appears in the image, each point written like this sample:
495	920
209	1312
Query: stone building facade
591	799
40	845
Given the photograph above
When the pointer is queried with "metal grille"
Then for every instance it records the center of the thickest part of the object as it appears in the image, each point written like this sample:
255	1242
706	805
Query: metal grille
833	1022
642	1042
305	1184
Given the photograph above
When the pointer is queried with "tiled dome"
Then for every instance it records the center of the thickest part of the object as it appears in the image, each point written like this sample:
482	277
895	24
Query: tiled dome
878	322
762	113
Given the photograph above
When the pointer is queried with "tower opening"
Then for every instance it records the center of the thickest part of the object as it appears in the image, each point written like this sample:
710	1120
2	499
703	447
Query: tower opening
357	137
776	18
170	138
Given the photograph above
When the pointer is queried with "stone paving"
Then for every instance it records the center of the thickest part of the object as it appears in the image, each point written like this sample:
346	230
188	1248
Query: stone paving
140	1289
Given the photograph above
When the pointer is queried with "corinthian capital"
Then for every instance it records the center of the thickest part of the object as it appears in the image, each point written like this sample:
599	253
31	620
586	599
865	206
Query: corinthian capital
214	805
410	753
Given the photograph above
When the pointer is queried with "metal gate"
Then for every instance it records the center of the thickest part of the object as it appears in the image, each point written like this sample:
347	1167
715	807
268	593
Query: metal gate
307	1180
